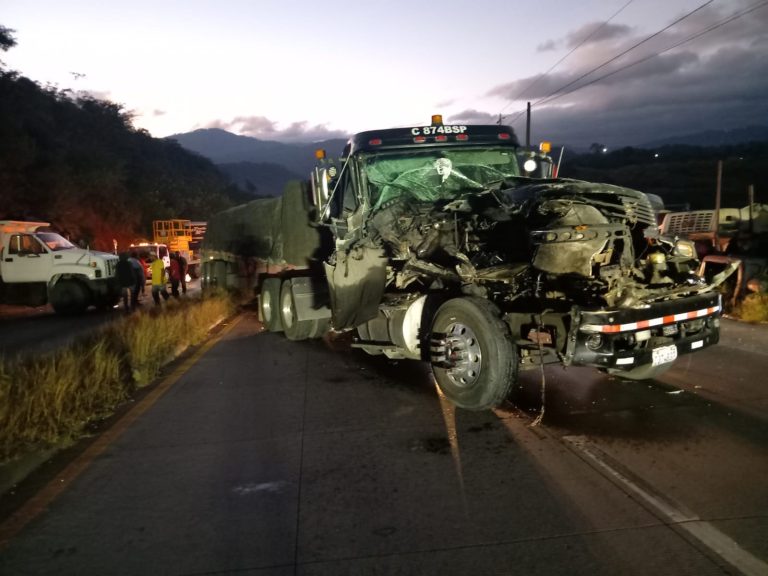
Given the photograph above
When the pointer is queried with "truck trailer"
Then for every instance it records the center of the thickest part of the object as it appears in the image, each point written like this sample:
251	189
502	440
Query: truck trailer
448	244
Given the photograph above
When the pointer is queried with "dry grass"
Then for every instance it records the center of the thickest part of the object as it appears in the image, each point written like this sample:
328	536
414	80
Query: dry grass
50	400
754	308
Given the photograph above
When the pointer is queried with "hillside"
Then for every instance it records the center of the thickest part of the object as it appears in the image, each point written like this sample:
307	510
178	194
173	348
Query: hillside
77	162
710	138
262	156
260	178
681	175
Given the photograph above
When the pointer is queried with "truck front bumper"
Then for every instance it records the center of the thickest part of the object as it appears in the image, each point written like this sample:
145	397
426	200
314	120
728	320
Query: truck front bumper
620	340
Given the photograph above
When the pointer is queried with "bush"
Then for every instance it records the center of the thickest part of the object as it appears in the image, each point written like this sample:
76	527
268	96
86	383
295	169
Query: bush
50	400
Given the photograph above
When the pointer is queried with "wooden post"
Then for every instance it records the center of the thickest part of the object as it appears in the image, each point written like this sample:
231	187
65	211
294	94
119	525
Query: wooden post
751	200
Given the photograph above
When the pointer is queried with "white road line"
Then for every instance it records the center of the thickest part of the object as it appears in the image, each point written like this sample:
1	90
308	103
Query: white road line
713	539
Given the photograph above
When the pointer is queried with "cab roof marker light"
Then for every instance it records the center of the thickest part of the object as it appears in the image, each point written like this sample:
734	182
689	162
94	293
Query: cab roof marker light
419	139
504	136
375	141
462	137
441	138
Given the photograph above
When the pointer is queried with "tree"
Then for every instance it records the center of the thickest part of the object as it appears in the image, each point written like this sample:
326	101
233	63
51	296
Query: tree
7	41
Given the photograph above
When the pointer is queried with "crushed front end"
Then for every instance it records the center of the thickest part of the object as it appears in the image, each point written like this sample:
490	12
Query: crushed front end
578	270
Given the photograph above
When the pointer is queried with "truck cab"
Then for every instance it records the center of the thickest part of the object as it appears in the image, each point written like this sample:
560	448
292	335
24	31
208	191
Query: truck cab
38	266
455	246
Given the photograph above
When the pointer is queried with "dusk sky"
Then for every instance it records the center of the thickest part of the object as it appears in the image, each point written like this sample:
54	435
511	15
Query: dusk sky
282	70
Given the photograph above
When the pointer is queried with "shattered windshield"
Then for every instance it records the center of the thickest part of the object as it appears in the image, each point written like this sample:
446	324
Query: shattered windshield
427	175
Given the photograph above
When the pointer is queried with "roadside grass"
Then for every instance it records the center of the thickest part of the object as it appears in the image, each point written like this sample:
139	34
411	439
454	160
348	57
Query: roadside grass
753	308
50	400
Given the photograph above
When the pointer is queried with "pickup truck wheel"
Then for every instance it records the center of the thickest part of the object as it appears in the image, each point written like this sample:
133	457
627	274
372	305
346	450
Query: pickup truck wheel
294	328
69	297
473	357
269	305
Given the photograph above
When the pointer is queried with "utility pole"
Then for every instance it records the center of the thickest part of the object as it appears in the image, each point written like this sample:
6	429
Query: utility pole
718	193
751	200
528	127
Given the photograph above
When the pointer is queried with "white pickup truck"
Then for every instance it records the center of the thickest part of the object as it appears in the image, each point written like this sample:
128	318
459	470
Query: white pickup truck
38	266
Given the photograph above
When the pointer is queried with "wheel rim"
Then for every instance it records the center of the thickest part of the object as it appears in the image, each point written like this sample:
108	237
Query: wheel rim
287	309
463	355
266	306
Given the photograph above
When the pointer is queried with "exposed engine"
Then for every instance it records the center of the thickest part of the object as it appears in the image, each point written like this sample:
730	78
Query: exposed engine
589	244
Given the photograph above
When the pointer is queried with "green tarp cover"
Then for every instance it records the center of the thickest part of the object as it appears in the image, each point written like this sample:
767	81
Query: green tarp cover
274	229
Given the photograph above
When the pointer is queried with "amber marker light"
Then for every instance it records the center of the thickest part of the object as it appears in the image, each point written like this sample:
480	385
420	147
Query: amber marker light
437	119
545	147
320	154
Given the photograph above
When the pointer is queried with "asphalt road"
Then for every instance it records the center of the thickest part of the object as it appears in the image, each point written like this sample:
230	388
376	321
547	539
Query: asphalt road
270	458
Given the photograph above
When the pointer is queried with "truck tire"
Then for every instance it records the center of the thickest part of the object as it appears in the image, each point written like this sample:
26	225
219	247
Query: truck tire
319	327
69	297
474	359
269	305
294	328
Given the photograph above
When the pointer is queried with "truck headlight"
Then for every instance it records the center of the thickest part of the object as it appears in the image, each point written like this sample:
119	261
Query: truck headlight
657	258
684	248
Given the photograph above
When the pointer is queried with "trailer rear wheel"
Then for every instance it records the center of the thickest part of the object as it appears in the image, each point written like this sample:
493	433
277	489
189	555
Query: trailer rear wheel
269	305
69	297
473	357
294	328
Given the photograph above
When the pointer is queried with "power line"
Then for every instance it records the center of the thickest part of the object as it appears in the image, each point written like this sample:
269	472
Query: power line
556	64
707	30
614	58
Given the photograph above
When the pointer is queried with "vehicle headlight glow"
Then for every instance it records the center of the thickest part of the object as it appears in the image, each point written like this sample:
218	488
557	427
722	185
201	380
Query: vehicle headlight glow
684	248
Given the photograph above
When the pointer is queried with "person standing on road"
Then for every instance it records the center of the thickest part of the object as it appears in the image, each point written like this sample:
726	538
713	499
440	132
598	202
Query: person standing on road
158	281
174	271
141	279
126	277
182	272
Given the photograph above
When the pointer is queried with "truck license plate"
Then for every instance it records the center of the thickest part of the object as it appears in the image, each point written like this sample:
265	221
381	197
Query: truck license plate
664	355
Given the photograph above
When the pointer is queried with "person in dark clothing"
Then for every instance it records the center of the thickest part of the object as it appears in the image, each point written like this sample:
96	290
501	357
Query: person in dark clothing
141	279
182	272
126	278
174	274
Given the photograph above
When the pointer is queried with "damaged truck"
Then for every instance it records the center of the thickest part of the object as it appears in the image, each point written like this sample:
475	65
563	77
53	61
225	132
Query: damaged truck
452	245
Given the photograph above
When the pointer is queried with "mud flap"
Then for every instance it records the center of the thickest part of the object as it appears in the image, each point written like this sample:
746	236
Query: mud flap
356	285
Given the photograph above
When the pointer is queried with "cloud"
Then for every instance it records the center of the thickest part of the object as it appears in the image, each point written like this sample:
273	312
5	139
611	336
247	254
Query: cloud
717	81
597	32
263	128
158	113
471	116
590	33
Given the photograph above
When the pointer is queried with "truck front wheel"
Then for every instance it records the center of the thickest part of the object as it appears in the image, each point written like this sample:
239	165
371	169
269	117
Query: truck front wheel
269	305
294	328
69	297
473	357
